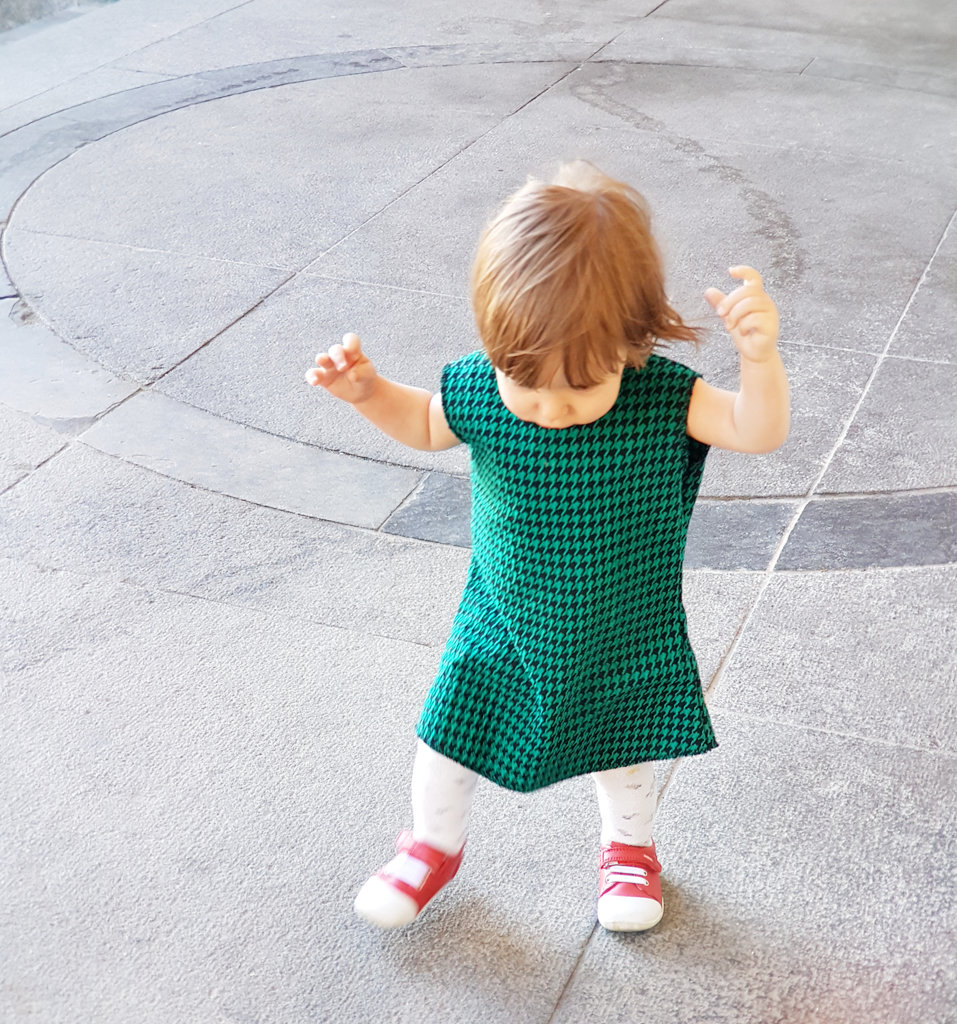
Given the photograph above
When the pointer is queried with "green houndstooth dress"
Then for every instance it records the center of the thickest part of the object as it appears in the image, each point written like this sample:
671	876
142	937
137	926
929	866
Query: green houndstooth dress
569	652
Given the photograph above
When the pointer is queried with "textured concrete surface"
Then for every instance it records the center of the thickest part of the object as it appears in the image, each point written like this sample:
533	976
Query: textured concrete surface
222	596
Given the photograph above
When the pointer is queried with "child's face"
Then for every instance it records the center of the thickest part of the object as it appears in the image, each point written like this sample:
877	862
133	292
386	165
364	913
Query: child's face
556	405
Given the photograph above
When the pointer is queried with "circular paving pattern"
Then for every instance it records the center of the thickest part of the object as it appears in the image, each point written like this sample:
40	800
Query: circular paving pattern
205	253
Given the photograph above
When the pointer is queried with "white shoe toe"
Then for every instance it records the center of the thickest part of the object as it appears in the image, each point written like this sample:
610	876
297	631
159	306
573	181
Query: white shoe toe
628	913
382	905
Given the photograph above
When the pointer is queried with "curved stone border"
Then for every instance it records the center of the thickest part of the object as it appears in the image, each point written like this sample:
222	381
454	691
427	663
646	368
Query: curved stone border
47	378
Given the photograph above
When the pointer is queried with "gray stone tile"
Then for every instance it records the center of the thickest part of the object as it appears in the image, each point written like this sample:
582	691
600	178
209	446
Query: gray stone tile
160	433
572	51
90	86
254	372
736	534
43	376
927	330
918	35
46	59
664	40
137	312
837	208
179	765
107	114
866	653
7	290
716	604
880	531
233	210
825	387
905	433
913	80
255	32
439	510
724	37
804	875
99	516
24	445
27	152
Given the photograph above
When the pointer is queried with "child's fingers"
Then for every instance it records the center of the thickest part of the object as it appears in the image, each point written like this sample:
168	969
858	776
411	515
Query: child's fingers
753	285
751	278
352	346
339	358
746	306
714	297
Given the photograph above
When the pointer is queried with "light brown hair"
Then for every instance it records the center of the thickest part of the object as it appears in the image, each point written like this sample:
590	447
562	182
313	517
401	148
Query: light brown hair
568	274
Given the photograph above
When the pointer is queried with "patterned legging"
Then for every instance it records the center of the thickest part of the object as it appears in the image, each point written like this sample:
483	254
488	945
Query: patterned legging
442	792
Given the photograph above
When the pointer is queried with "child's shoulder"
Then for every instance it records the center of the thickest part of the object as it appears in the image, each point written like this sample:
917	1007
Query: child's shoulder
468	371
661	371
473	360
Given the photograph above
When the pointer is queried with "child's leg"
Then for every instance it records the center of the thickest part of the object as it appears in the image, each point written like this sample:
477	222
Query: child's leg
429	856
626	801
442	792
629	884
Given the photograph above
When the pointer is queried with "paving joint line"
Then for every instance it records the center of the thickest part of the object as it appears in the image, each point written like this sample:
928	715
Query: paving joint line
574	970
143	387
218	334
876	741
255	609
789	529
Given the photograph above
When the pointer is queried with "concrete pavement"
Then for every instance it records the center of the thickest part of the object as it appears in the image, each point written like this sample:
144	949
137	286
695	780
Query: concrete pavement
224	595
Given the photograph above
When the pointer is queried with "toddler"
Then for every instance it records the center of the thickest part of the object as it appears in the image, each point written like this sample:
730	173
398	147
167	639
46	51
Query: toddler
569	652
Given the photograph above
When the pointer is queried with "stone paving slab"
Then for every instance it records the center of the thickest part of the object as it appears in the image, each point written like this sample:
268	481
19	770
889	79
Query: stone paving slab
905	433
926	331
870	654
26	445
97	515
804	879
82	89
138	311
254	372
259	31
722	37
873	532
825	387
189	444
233	210
46	378
186	845
918	33
920	81
41	61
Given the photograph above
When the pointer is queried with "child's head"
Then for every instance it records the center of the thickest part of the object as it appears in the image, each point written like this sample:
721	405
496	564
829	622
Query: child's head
568	276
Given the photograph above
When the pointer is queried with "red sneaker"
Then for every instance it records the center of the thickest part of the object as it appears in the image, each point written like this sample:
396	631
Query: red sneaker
629	888
397	894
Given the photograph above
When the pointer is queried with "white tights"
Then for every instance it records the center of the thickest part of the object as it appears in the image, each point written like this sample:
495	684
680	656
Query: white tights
442	792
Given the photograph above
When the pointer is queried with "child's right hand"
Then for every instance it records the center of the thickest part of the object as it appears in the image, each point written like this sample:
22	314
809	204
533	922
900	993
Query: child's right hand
345	371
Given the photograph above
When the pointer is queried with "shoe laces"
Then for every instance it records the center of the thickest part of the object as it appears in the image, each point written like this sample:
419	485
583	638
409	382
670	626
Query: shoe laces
626	873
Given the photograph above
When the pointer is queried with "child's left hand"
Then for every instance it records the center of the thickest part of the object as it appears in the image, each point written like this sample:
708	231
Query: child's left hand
749	315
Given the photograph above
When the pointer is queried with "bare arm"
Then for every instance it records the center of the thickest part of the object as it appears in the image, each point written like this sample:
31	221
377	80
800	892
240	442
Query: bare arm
410	415
757	417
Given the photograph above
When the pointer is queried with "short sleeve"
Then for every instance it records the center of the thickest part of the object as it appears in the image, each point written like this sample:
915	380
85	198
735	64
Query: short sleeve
696	451
465	393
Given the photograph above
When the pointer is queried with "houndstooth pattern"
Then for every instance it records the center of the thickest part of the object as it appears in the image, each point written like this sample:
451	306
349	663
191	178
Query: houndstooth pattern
569	652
